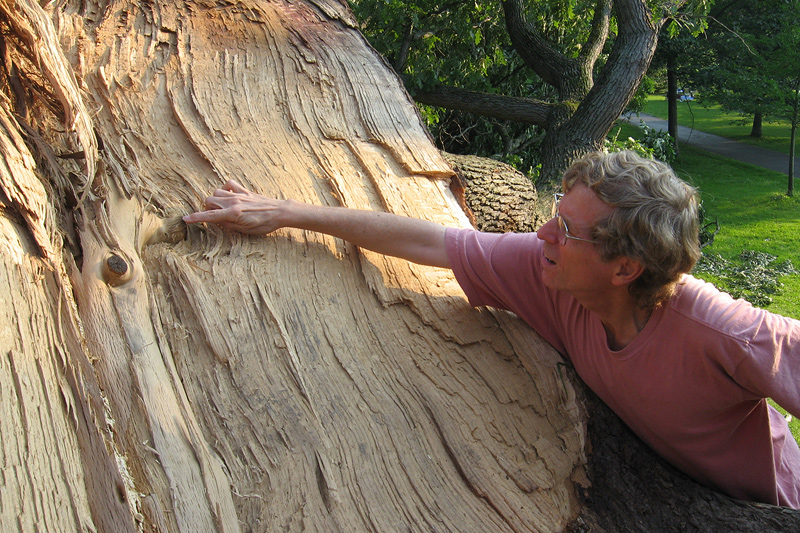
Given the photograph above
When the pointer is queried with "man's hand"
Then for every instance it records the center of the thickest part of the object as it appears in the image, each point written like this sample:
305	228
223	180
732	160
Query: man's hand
234	207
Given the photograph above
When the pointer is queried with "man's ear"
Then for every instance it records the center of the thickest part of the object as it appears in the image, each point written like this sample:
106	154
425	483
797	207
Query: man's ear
627	271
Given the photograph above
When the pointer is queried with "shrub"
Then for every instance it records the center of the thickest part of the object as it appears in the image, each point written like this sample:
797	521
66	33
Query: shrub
654	144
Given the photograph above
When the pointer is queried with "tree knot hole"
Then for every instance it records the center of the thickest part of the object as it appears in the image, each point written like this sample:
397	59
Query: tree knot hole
116	270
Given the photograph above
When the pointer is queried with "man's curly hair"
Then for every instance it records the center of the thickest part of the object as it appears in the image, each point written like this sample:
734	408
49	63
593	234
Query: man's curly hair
655	220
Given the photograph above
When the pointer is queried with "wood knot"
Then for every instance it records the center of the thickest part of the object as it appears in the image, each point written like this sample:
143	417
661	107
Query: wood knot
116	270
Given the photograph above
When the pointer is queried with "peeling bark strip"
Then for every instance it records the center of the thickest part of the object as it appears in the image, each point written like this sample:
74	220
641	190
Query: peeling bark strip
157	379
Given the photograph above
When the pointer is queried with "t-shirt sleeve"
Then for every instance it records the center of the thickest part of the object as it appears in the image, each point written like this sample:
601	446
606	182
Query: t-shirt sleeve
492	268
504	271
758	349
771	366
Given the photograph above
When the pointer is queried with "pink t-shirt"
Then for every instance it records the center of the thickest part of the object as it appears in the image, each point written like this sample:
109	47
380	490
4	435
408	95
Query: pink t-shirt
692	384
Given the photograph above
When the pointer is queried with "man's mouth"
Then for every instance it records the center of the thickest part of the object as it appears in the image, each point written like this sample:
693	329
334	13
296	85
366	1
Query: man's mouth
549	261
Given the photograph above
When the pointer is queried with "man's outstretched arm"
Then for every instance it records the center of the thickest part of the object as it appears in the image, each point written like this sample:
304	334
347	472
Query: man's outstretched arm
236	208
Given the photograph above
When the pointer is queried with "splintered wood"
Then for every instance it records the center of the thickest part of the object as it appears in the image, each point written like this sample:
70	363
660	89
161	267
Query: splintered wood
227	383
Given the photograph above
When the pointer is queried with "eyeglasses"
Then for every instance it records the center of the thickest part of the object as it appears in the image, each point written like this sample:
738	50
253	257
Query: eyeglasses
563	230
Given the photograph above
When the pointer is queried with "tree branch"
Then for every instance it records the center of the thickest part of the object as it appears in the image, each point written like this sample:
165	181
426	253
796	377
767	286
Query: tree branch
524	110
629	59
537	53
599	32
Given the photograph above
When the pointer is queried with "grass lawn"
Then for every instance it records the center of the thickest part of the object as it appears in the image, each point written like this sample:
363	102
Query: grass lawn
731	125
753	212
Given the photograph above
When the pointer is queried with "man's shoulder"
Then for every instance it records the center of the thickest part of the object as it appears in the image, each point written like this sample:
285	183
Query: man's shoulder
471	240
706	307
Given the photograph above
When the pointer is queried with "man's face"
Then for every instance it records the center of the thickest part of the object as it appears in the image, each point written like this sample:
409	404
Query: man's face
576	266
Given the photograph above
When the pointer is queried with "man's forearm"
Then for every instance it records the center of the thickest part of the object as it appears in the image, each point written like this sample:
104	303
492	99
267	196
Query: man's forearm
416	240
235	208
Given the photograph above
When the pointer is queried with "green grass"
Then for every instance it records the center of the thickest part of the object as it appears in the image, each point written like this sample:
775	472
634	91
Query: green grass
731	125
754	213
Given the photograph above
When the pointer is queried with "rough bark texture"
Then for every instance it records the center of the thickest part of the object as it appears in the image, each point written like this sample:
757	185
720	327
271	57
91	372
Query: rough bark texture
499	198
162	380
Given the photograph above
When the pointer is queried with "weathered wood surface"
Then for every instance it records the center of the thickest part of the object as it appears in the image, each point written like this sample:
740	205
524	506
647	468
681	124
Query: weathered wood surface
226	383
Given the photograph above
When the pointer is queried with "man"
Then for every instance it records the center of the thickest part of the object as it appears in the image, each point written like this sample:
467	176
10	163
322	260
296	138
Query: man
606	283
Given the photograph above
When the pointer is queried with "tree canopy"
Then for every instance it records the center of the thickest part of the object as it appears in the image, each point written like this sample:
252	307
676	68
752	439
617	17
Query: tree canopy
747	61
551	78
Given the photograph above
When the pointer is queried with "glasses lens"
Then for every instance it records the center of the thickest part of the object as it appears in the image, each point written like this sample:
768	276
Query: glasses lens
556	201
562	227
562	230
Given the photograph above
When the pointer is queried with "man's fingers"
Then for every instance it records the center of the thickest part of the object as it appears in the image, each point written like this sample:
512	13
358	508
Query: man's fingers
213	215
234	186
224	193
213	203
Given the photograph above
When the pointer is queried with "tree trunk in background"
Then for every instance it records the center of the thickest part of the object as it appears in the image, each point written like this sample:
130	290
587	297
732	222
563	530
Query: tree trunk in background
792	152
757	129
672	100
155	378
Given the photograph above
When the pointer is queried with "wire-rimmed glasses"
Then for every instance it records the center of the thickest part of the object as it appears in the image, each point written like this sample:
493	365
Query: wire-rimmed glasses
563	230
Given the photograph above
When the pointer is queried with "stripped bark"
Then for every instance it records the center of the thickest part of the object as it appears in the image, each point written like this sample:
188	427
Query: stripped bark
198	380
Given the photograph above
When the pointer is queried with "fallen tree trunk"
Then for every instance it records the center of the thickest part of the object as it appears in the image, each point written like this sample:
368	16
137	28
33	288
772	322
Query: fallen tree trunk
216	382
159	379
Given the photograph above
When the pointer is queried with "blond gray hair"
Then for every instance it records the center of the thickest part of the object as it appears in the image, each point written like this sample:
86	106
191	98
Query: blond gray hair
655	220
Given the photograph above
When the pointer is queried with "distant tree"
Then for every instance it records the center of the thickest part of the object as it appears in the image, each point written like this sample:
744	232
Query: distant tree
567	68
670	61
784	69
749	62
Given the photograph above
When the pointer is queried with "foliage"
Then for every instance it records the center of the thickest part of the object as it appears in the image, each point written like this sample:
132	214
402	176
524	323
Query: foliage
749	60
754	277
639	100
651	143
708	227
462	133
464	44
467	46
730	62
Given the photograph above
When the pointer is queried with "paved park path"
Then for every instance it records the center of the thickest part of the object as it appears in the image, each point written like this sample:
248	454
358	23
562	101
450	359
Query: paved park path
715	144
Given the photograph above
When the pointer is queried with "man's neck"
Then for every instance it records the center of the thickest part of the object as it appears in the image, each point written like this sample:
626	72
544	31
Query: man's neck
621	317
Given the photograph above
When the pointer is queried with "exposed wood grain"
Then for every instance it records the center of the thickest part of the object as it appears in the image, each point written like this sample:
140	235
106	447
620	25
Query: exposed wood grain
289	382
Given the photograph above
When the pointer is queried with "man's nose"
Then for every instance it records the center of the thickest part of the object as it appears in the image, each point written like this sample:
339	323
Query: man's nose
549	231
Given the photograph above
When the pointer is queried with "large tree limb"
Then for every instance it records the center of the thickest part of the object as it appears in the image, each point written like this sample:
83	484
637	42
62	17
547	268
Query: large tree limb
536	51
525	110
628	62
571	76
598	33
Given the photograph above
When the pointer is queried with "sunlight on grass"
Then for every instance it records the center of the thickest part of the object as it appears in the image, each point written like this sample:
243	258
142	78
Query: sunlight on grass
732	125
749	203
